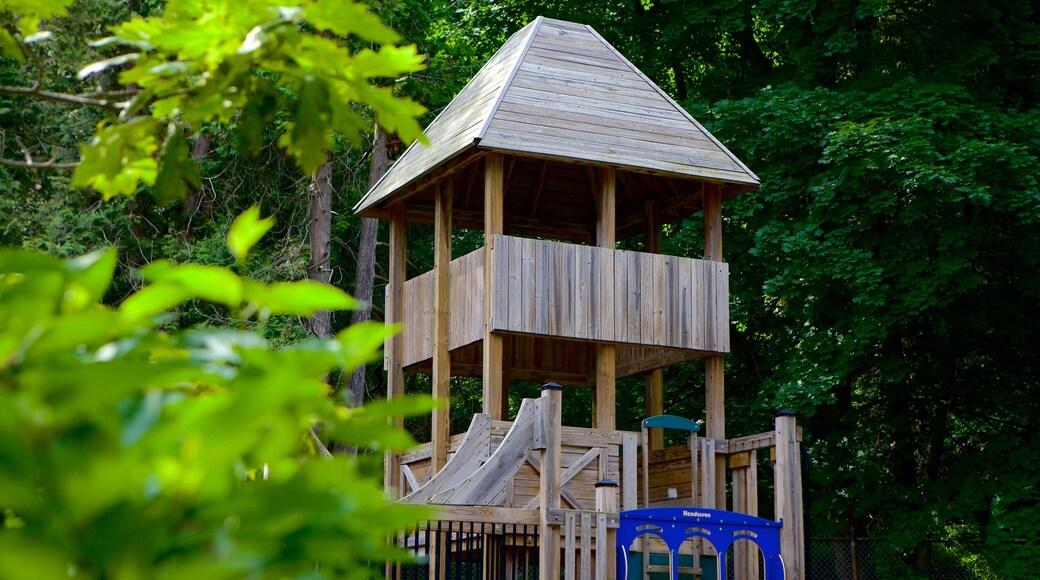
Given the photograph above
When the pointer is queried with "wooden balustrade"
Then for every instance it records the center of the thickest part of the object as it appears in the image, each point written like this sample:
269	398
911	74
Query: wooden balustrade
586	293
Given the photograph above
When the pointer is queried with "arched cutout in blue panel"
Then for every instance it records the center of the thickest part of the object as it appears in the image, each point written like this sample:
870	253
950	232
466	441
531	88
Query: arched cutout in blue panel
679	523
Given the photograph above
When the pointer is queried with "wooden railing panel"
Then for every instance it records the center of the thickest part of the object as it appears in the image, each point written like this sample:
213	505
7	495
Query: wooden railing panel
466	322
607	295
577	292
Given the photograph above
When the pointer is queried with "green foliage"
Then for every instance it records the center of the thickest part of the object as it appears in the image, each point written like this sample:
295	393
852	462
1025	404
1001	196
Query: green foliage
133	452
245	61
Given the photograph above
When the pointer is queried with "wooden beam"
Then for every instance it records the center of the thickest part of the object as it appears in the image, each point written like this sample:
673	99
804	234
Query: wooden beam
652	236
549	481
655	405
712	204
394	315
788	481
714	378
494	224
655	378
606	354
715	418
441	378
487	514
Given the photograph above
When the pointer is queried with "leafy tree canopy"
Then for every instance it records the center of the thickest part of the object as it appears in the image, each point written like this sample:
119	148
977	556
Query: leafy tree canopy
137	446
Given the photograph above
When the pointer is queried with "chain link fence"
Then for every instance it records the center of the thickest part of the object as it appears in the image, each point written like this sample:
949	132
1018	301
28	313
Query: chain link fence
865	559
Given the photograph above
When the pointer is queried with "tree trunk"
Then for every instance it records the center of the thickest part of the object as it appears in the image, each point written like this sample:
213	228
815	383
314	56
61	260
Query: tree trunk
366	263
197	202
320	231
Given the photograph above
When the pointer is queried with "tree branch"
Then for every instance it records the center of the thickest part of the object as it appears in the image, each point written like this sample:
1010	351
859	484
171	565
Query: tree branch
35	91
49	164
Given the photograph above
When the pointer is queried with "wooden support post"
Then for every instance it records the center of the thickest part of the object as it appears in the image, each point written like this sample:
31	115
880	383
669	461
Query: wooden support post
654	379
441	378
606	354
394	315
606	537
549	480
715	420
788	481
494	224
711	203
714	378
655	405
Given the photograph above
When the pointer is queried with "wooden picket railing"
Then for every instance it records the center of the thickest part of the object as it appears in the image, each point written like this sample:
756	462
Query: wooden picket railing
569	291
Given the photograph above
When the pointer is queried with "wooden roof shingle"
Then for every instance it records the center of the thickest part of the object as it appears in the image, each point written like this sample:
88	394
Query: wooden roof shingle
558	90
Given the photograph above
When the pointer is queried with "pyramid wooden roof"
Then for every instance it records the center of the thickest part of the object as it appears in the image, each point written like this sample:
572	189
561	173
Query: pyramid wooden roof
555	95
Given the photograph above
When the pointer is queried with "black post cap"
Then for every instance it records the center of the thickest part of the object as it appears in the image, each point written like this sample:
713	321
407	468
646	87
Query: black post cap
607	483
786	413
551	387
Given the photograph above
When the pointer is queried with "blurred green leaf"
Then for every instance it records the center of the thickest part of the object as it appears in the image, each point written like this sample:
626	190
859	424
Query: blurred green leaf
153	299
246	231
212	283
304	297
349	19
178	175
119	157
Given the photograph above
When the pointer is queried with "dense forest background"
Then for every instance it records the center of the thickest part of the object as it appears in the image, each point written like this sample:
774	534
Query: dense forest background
885	279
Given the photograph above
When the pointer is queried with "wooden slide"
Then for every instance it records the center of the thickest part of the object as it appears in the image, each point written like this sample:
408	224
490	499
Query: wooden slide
472	477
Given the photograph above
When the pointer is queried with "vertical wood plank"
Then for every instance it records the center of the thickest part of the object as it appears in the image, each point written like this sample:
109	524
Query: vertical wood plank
635	299
528	283
711	307
500	290
586	546
579	286
660	302
569	547
621	313
752	565
699	308
602	534
441	378
629	476
566	266
553	298
723	306
515	295
494	224
543	269
685	303
646	298
395	379
605	300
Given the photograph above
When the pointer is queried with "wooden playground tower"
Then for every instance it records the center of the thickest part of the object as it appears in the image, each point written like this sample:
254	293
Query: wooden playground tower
558	149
